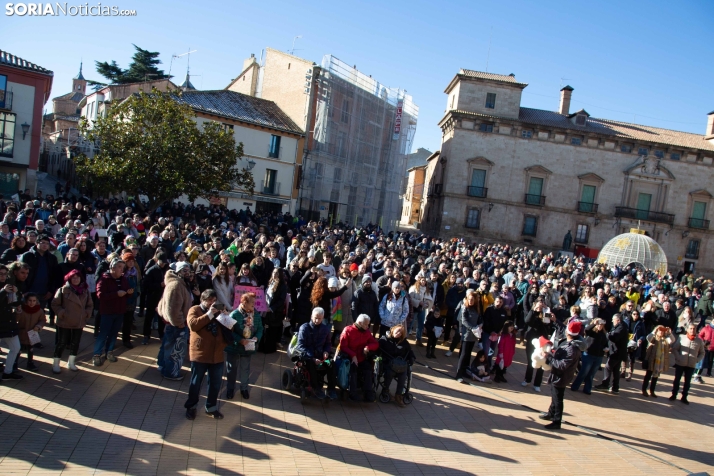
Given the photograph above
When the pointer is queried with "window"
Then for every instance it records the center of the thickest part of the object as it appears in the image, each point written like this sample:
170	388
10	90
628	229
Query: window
345	111
535	190
644	200
341	142
337	176
659	154
692	249
228	127
587	199
490	101
7	134
3	89
472	219
526	134
626	148
269	185
274	150
486	127
580	119
530	225
699	213
576	140
643	151
581	234
675	156
478	183
318	170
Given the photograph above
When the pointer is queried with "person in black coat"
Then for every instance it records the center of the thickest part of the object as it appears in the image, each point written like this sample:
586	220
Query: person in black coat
564	362
537	325
71	262
394	345
364	300
666	316
154	289
303	309
592	356
275	296
471	326
433	320
618	337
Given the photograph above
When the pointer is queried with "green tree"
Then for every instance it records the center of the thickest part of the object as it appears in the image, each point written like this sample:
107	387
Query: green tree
144	66
151	145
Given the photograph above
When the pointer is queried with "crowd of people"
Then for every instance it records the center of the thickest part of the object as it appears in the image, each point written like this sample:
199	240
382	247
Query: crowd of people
344	292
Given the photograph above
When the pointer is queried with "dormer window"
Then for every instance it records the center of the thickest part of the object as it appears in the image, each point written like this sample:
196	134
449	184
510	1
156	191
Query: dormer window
643	151
580	118
576	140
659	154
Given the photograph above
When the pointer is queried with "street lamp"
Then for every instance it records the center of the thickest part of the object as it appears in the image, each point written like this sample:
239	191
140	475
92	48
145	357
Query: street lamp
25	129
251	164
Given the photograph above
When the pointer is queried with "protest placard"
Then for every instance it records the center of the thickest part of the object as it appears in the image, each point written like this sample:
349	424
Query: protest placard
261	304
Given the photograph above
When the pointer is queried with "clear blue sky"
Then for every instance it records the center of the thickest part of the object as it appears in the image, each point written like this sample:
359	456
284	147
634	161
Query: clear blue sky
637	61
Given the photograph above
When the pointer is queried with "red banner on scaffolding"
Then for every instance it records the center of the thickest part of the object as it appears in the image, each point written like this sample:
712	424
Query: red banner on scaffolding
398	121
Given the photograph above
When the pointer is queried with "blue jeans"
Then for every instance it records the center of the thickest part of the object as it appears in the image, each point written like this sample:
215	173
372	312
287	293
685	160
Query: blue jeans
173	351
107	337
489	347
215	376
419	319
588	369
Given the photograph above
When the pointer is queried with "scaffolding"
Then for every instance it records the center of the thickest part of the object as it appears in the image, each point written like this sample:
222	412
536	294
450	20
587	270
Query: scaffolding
356	164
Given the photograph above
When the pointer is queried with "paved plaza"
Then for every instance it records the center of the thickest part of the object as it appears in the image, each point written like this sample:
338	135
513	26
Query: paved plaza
123	418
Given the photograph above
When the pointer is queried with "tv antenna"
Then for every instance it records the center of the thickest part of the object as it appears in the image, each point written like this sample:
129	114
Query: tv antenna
564	79
488	55
292	51
179	56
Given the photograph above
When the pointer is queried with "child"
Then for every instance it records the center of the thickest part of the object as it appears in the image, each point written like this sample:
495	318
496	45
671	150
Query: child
31	317
506	350
433	320
479	368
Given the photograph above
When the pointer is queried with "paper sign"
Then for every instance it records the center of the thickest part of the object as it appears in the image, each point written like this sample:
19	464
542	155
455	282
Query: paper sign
261	304
34	337
226	320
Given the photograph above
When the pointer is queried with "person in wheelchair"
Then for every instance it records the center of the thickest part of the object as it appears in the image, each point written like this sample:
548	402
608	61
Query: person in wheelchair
358	344
313	349
397	357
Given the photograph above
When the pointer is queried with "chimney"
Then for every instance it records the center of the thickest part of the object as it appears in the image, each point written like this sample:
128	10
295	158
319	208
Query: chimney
710	126
565	94
248	62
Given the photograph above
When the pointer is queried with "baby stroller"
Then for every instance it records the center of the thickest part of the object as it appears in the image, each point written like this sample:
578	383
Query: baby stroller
383	395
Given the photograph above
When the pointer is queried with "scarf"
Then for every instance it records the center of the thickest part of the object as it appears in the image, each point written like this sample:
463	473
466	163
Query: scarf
247	330
659	358
30	309
78	289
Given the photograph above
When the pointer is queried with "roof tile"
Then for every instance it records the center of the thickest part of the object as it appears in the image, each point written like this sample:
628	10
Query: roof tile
240	107
12	60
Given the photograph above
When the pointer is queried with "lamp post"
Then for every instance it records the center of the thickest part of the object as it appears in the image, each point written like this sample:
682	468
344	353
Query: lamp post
25	129
251	164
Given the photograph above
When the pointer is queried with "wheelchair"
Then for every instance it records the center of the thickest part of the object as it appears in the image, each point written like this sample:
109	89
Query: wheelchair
382	392
297	380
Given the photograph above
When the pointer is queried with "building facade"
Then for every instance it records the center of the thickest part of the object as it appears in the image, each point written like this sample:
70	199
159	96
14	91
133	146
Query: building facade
60	133
514	174
358	134
24	91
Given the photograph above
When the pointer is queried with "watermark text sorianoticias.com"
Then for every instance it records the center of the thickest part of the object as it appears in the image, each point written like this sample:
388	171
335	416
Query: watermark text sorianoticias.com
65	9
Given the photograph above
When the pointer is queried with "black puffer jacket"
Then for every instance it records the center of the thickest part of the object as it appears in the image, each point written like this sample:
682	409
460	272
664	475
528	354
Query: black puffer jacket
8	317
619	336
564	362
392	348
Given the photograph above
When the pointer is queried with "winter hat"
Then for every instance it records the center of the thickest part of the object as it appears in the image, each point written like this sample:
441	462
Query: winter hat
574	328
333	283
180	265
366	279
354	267
543	341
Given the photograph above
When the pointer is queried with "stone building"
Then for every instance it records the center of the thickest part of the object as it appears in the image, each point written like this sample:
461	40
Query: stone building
521	175
359	132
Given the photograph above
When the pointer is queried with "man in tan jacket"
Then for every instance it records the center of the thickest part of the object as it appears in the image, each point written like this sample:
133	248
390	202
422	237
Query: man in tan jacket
173	309
206	354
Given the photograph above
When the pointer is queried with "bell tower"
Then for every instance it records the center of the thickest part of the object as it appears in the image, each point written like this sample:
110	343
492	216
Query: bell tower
79	84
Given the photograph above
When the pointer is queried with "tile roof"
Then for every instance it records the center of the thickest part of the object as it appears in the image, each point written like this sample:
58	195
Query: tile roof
72	96
64	117
615	129
469	73
240	107
12	60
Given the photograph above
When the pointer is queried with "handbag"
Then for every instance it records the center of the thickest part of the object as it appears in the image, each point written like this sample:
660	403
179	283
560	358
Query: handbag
438	331
343	373
398	365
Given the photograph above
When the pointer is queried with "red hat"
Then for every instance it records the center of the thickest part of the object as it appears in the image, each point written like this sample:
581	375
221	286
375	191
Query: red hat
354	267
543	341
574	328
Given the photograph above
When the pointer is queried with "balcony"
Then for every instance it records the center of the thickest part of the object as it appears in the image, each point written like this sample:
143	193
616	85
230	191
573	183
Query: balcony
271	188
698	223
645	215
586	207
274	152
435	190
537	200
478	192
5	100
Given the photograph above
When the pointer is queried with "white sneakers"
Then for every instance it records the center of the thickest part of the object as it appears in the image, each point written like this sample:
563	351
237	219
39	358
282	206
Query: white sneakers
537	389
524	384
56	366
70	363
449	353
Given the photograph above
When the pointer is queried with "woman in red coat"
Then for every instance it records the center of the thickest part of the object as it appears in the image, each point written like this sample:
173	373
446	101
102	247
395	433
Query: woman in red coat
506	350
